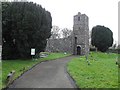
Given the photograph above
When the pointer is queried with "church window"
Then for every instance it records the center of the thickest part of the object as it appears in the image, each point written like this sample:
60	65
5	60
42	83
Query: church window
78	18
75	40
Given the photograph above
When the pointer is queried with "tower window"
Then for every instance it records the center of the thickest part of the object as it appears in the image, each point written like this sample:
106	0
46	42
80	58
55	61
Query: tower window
78	18
75	37
75	40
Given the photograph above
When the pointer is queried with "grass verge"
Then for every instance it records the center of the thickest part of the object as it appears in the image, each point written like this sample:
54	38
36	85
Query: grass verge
0	75
101	73
21	66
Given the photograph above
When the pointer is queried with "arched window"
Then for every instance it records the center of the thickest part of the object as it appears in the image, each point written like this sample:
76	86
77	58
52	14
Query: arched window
78	18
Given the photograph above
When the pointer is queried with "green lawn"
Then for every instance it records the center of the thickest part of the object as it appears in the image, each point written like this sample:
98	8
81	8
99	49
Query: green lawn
101	73
18	65
0	75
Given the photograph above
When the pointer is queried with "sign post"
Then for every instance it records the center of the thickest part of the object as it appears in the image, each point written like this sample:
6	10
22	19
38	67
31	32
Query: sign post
33	52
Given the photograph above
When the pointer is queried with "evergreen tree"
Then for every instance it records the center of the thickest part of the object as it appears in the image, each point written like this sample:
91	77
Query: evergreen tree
101	37
26	25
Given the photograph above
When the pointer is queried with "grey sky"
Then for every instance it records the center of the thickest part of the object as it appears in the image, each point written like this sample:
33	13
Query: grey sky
100	12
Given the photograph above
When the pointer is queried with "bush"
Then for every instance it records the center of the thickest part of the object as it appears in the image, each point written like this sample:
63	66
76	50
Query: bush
113	50
92	49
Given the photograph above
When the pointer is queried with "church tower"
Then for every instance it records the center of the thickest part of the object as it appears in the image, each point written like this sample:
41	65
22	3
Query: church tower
80	34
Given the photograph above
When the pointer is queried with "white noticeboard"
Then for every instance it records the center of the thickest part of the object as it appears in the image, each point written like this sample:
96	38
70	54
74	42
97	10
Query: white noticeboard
32	51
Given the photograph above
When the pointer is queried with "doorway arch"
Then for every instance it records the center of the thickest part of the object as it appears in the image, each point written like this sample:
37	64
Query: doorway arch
78	50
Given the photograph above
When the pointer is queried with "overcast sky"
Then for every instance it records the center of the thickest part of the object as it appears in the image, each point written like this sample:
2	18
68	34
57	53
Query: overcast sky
100	12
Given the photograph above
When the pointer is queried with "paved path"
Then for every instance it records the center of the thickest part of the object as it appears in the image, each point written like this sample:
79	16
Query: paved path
50	74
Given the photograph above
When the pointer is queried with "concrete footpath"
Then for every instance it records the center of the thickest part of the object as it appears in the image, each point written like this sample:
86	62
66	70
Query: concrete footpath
50	74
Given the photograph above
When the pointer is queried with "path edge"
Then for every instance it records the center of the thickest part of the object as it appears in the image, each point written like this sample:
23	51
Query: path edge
72	80
7	87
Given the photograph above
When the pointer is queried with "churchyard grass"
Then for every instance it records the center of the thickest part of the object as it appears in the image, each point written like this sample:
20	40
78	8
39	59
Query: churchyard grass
101	73
0	75
22	65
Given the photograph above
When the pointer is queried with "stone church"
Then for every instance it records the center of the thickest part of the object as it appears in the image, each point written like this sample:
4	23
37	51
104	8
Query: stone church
78	42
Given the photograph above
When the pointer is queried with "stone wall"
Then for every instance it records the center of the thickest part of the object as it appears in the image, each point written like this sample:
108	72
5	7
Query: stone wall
60	45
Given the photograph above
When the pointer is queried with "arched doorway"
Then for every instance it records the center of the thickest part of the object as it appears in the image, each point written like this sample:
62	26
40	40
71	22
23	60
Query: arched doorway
78	50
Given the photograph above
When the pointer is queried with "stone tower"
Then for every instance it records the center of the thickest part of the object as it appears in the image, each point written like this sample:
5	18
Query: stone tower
80	34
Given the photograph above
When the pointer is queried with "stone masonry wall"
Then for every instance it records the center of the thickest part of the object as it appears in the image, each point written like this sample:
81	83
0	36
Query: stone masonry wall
60	45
